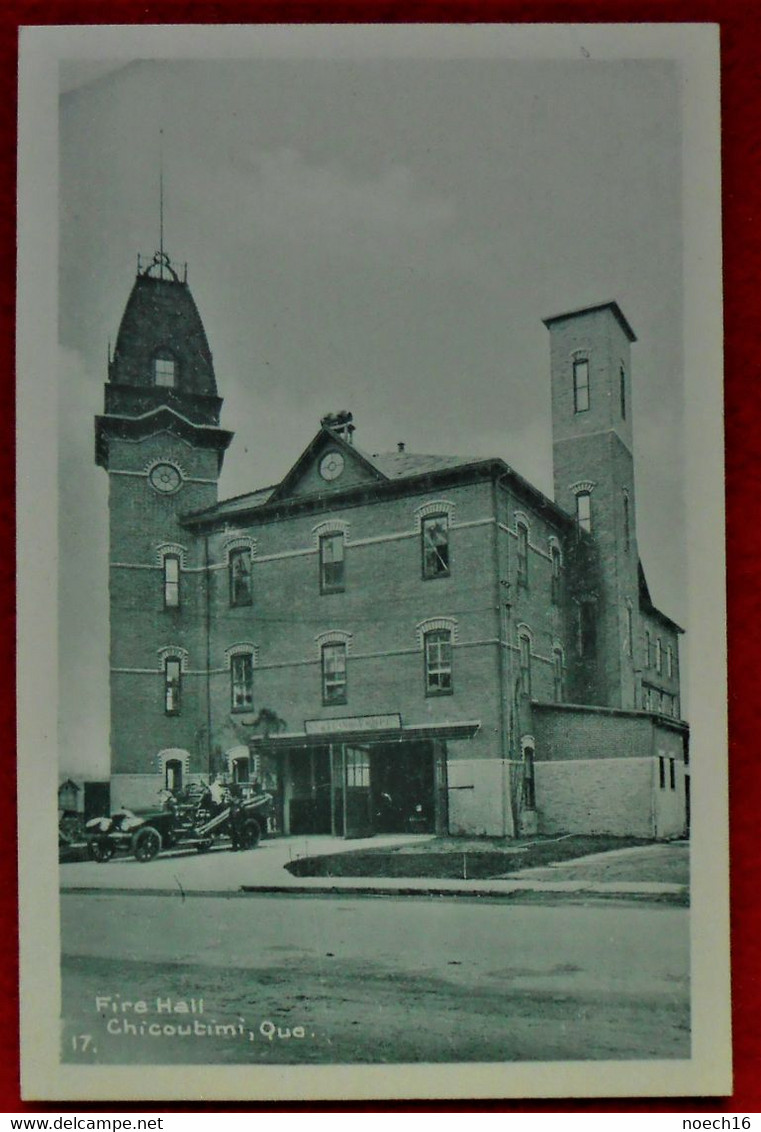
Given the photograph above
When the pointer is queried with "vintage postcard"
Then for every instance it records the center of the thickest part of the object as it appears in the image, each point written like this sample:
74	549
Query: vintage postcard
372	661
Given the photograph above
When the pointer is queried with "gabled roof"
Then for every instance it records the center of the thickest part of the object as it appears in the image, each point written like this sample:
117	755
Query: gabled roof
324	438
646	602
385	473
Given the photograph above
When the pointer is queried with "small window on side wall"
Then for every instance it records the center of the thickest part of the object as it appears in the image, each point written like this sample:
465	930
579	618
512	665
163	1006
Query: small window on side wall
172	685
581	385
438	662
241	589
435	546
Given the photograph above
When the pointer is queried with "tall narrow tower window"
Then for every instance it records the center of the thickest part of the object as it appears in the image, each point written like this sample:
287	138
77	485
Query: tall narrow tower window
581	385
627	525
164	370
557	675
622	381
522	557
584	510
556	568
524	643
171	582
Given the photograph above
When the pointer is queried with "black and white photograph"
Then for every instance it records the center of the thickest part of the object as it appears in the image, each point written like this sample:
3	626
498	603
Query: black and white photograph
371	654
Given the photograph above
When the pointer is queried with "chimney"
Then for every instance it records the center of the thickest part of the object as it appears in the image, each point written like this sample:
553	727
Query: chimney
400	446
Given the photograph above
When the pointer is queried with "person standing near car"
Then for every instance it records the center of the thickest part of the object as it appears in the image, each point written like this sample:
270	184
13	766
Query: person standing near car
235	802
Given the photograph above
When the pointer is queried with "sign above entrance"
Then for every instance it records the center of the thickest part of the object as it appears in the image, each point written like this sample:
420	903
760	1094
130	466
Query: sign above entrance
353	723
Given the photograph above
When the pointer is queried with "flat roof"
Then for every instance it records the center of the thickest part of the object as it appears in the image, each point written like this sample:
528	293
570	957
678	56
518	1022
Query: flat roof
611	305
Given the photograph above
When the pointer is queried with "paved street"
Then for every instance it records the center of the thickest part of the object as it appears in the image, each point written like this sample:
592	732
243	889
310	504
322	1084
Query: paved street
319	979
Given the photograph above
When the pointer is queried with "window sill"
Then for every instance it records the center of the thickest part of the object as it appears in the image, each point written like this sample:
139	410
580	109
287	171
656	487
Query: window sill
433	693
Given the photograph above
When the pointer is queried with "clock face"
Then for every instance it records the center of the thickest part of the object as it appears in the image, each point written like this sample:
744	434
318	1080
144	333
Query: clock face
331	466
165	478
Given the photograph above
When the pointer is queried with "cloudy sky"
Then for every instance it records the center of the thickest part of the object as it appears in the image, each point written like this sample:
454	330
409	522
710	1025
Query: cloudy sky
382	234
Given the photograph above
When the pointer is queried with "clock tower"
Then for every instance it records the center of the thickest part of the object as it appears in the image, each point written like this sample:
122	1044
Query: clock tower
160	441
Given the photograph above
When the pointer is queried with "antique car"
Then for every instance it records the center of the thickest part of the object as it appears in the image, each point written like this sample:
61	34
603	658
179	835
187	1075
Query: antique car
178	824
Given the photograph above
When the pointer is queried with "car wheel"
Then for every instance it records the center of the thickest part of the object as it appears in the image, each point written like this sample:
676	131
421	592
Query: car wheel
249	834
146	844
101	851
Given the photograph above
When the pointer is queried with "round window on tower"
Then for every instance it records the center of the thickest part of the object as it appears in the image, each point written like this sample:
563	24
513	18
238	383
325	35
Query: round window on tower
165	478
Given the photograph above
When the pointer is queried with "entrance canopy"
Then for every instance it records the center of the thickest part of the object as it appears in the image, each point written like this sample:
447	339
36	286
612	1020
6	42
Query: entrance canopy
353	730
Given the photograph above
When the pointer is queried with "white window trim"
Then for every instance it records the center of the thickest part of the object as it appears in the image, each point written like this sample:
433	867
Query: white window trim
434	507
242	648
433	624
331	527
239	542
333	637
172	754
173	652
582	487
170	550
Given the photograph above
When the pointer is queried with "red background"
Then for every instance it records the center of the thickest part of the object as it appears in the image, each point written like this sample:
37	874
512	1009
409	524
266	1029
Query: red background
740	24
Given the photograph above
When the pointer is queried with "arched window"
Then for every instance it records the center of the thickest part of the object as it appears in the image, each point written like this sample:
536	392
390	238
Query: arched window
164	369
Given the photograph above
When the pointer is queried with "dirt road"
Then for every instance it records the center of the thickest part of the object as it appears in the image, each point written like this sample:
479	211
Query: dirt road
230	980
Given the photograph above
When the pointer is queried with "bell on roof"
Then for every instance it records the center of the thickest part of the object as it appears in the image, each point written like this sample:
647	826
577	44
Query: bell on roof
341	424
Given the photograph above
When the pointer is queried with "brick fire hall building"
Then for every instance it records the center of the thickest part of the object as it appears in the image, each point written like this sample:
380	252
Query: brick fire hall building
386	641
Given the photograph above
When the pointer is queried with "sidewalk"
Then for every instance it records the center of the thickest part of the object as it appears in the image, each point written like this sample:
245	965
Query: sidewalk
263	871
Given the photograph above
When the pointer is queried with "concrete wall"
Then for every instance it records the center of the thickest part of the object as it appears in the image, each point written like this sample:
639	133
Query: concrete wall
613	796
478	801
